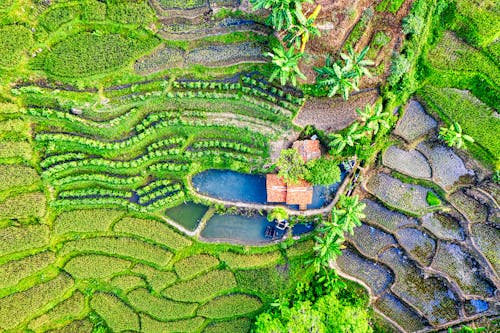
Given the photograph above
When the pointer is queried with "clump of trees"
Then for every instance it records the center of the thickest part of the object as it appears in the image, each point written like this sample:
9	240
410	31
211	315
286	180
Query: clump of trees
292	168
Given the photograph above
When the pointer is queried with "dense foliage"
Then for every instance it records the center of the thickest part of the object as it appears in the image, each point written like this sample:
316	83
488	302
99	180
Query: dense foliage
14	39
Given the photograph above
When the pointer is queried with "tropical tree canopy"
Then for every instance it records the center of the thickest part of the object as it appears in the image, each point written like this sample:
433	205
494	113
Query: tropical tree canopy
286	65
278	213
322	171
454	136
350	212
374	117
339	141
291	166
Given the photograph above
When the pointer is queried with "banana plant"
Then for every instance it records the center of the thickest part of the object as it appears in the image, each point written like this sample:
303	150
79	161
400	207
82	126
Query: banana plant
454	136
301	32
282	11
374	117
357	62
286	65
335	78
350	212
340	141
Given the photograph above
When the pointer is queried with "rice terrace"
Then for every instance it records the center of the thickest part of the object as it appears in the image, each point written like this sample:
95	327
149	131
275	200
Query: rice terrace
266	166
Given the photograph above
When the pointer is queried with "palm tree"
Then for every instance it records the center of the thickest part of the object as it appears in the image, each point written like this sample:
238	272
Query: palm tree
454	136
328	247
335	78
282	11
374	117
300	33
339	142
349	212
286	65
357	63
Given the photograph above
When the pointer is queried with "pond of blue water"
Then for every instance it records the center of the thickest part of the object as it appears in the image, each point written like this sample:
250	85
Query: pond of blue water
235	186
302	228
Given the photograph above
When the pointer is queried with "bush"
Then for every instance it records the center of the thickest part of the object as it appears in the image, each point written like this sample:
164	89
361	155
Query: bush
149	325
193	265
55	17
12	272
202	288
15	40
22	305
130	12
71	307
322	172
118	316
85	220
229	306
151	229
119	246
300	249
156	279
236	325
160	308
17	239
432	199
243	261
88	54
95	266
93	10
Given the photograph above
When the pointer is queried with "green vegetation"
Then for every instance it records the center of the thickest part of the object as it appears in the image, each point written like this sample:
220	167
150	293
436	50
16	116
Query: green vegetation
278	213
291	166
432	199
15	40
454	137
95	266
391	6
189	267
118	316
229	306
242	261
87	220
322	171
286	65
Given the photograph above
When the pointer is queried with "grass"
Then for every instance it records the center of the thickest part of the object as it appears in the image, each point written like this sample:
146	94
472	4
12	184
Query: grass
94	266
160	308
230	306
85	221
189	267
242	261
118	316
19	306
155	231
70	308
202	288
12	272
17	239
119	246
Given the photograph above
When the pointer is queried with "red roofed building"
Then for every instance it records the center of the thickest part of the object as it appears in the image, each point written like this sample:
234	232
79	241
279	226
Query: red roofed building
308	149
276	188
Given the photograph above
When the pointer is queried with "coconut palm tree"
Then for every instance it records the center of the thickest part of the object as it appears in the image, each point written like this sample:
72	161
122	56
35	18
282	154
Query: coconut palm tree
349	212
357	62
328	246
303	29
374	117
454	136
282	11
339	141
286	65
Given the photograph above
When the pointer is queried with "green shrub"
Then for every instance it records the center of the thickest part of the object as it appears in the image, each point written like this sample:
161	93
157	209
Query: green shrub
322	171
128	282
85	220
192	266
15	39
68	309
118	316
12	149
23	206
130	12
202	288
300	249
16	176
154	230
119	246
55	17
87	54
156	279
235	260
432	199
236	325
160	308
230	306
17	239
20	306
149	325
95	266
12	272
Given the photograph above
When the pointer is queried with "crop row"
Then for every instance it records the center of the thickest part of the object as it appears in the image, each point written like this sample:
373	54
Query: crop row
99	178
159	193
298	101
95	192
174	141
55	159
229	306
95	266
191	266
170	167
85	221
206	85
153	185
227	145
118	316
212	153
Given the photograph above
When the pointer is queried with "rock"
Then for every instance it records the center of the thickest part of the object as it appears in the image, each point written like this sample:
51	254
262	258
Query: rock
415	123
411	163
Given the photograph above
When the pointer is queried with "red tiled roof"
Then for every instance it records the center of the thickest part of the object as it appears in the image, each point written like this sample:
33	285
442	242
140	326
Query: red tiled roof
308	149
299	194
276	188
